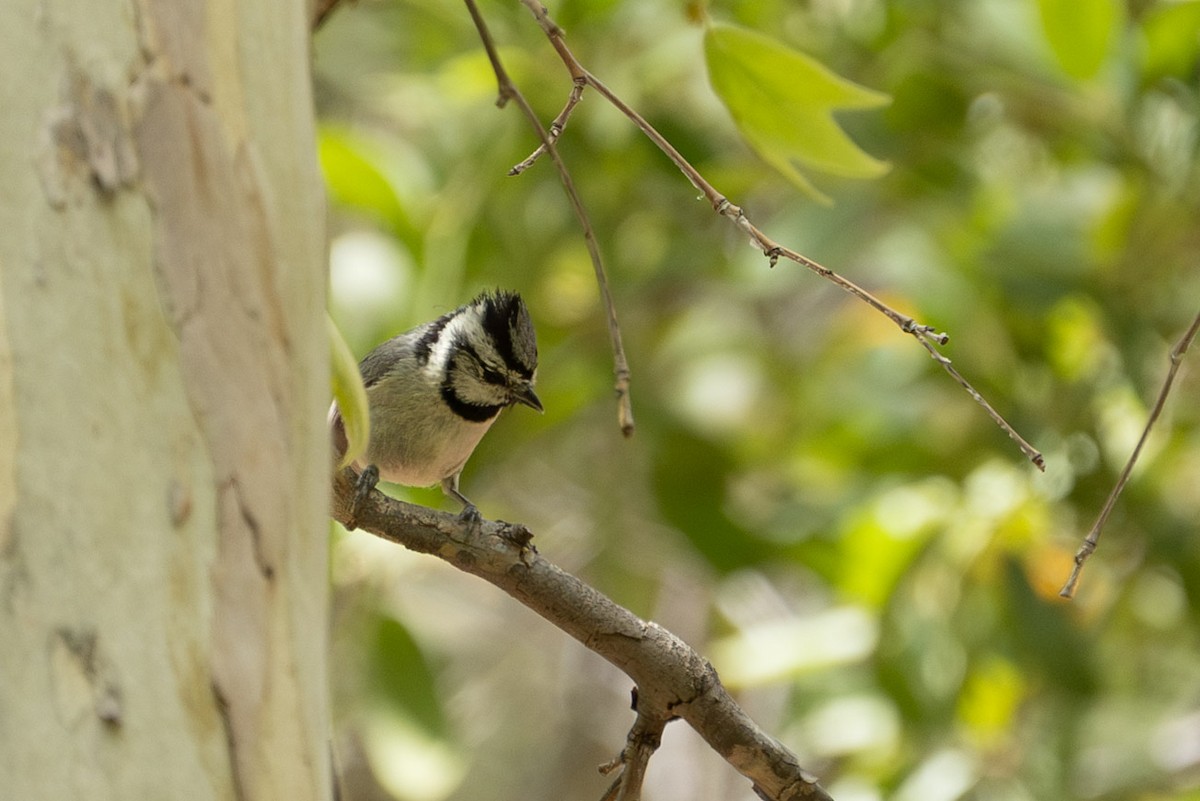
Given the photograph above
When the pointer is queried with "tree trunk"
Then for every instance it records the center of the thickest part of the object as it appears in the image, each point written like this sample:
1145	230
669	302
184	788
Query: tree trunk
163	464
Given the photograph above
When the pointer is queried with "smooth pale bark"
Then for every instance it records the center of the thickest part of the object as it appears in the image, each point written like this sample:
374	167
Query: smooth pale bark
163	468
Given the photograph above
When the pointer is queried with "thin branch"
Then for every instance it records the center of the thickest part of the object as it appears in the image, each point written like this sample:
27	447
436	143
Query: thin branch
556	127
1030	452
508	91
672	679
1089	543
645	736
925	334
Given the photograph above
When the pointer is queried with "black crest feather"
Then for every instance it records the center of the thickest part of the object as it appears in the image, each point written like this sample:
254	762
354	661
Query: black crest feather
507	320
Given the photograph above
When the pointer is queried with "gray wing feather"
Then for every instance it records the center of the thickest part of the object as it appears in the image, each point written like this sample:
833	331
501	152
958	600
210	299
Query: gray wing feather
380	361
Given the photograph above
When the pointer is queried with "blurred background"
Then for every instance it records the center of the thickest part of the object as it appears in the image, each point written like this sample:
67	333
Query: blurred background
809	501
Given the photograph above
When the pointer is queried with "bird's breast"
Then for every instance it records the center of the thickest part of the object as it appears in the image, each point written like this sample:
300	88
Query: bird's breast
420	450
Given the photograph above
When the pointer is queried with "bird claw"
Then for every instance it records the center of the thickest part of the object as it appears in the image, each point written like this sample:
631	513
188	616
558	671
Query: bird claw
366	482
470	514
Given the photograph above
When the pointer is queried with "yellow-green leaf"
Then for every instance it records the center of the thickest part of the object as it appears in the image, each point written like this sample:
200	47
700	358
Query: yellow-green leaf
783	103
1080	34
354	179
349	394
1170	40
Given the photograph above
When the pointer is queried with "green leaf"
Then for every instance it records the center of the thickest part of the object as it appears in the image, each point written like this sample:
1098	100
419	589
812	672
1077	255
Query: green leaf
354	179
1171	41
783	102
402	678
690	484
349	393
880	546
1080	34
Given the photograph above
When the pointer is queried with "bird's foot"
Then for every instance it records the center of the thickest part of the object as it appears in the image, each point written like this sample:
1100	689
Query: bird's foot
367	480
470	514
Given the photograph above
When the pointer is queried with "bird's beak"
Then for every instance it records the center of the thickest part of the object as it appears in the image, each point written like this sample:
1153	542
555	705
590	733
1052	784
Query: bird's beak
526	396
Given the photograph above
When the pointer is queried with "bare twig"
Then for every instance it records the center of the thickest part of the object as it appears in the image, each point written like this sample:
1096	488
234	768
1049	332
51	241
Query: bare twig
1030	452
1089	543
672	679
556	127
925	334
643	740
508	91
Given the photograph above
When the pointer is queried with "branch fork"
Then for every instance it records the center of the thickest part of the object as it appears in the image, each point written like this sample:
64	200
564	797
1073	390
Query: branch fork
672	679
644	738
927	335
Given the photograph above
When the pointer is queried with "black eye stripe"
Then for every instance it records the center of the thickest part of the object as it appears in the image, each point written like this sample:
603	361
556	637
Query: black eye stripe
476	413
490	375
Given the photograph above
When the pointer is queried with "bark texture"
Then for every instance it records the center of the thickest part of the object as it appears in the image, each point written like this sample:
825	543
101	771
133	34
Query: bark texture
162	392
672	680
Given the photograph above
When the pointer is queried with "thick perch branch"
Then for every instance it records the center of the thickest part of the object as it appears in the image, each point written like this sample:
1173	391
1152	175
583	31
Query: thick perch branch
672	679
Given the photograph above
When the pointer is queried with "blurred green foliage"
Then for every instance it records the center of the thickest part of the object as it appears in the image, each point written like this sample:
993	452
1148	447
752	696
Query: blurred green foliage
808	499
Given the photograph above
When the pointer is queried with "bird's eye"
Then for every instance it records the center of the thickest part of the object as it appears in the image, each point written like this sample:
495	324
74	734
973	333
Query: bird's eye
493	376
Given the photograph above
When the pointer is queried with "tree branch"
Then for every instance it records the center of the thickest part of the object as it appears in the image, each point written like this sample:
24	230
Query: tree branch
925	334
672	679
1089	543
508	90
645	736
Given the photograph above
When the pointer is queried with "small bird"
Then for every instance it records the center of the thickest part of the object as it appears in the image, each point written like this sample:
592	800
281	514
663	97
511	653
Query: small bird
434	391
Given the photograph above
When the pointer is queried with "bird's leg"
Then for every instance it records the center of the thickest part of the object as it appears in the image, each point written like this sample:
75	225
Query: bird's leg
469	513
367	480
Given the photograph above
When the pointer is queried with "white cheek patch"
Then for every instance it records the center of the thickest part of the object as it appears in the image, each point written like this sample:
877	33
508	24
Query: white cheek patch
439	354
466	326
